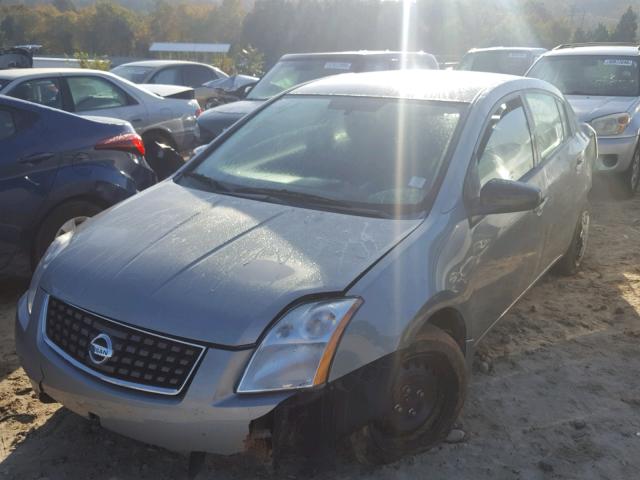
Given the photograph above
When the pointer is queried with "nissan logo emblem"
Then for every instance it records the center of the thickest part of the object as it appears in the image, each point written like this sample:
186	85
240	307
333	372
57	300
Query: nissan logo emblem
100	349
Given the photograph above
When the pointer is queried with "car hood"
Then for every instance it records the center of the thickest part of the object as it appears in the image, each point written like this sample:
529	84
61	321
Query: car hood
241	107
213	268
228	113
588	108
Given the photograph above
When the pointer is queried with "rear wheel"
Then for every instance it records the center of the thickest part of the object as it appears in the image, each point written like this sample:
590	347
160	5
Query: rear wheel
427	393
571	261
63	219
630	179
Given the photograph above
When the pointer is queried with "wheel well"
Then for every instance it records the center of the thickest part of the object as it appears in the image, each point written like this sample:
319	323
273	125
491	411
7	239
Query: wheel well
83	198
451	321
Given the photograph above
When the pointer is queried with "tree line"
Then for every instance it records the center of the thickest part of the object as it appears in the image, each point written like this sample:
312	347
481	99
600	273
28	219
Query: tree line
275	27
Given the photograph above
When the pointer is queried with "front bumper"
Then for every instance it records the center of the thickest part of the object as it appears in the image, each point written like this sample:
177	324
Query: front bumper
208	417
615	154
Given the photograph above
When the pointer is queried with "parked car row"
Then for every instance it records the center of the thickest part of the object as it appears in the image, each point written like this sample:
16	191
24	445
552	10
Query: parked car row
95	93
294	69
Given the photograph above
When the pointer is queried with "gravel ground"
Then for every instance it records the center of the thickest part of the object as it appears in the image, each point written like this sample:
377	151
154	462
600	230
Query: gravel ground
554	395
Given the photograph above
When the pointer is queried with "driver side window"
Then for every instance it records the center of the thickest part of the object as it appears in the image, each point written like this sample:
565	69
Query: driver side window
507	150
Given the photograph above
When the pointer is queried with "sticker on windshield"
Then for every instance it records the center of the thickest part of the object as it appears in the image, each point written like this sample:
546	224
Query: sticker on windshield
417	182
619	62
337	66
517	55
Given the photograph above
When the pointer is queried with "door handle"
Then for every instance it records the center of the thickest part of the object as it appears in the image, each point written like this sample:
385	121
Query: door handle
135	120
540	208
36	158
580	160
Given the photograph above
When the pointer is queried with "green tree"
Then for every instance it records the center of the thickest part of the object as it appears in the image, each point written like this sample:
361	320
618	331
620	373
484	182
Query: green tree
600	34
579	36
108	29
64	5
627	28
249	61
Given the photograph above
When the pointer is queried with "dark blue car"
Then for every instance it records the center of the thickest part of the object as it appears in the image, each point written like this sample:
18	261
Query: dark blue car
57	170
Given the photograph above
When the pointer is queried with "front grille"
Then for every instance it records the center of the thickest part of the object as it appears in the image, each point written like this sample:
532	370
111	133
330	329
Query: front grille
140	360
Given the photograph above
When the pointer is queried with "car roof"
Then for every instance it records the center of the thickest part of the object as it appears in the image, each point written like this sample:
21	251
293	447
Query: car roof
444	85
624	50
13	73
159	63
508	49
351	54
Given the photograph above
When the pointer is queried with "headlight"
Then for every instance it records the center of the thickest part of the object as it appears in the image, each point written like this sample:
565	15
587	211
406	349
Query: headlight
58	245
298	350
611	124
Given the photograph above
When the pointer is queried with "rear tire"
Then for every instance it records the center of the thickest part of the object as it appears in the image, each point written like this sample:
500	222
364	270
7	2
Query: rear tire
63	218
630	179
571	261
427	393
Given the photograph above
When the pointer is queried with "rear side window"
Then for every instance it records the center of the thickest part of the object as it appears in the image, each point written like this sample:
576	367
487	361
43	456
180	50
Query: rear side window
548	129
94	93
168	76
7	124
507	151
45	91
196	76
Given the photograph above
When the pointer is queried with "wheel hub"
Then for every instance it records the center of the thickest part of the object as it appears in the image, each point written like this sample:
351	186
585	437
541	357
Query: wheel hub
414	398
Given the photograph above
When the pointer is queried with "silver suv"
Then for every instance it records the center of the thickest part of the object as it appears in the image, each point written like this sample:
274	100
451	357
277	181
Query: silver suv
602	84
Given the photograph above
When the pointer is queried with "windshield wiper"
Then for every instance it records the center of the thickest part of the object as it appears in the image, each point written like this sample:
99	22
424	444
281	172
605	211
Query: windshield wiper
309	198
211	183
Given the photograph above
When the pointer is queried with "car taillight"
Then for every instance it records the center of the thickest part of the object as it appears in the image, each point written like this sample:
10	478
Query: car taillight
199	112
128	142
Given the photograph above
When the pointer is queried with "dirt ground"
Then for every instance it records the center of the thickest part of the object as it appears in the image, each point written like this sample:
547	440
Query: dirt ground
555	392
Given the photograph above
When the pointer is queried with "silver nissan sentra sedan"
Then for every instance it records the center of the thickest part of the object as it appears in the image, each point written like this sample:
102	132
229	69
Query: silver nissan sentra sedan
325	268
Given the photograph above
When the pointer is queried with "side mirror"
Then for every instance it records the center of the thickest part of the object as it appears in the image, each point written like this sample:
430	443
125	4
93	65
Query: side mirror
506	196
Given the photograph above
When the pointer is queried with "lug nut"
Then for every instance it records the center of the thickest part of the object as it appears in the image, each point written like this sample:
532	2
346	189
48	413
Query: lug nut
412	412
420	393
397	408
406	390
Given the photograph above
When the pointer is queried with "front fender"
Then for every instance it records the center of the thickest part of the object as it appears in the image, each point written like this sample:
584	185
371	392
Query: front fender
400	292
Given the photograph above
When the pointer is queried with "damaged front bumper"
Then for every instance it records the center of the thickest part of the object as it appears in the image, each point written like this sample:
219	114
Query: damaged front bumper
207	417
